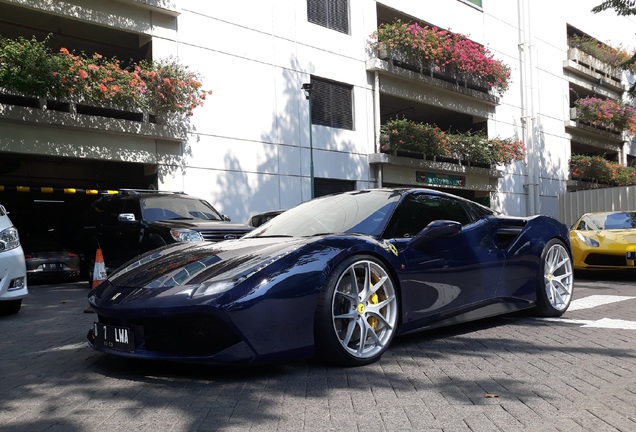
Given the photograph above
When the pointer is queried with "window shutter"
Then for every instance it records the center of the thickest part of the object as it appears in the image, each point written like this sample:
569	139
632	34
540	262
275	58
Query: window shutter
332	104
333	14
323	186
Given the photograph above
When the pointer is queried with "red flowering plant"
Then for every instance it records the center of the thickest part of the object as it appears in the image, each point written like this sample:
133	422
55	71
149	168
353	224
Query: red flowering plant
507	150
101	81
423	138
445	49
165	86
599	170
475	147
606	113
171	87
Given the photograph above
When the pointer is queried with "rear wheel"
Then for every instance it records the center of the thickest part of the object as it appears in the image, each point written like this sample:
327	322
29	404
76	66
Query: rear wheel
357	313
554	292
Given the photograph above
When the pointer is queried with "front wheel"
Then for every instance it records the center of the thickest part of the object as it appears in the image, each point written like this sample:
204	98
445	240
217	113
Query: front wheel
357	313
554	292
10	307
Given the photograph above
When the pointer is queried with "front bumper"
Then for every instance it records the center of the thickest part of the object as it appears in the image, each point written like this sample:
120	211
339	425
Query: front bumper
13	283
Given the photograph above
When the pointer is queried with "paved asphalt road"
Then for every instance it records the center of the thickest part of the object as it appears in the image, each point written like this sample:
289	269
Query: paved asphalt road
577	373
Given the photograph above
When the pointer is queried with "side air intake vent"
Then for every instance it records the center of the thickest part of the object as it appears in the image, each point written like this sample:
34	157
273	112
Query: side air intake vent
508	232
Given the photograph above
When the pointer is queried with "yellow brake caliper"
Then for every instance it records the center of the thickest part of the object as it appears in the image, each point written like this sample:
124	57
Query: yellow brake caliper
373	321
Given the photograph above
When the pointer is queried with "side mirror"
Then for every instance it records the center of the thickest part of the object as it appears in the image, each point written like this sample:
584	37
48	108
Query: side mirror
226	218
435	230
126	217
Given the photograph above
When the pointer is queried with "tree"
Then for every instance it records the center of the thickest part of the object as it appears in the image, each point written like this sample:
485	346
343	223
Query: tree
622	8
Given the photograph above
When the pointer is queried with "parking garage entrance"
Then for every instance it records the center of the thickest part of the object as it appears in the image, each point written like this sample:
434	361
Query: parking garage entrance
47	197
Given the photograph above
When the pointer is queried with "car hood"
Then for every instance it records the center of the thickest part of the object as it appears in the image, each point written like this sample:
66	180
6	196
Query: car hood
184	264
610	237
5	222
198	224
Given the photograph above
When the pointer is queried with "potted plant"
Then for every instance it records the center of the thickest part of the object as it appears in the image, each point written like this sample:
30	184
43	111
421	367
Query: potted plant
606	113
28	67
406	135
597	169
441	53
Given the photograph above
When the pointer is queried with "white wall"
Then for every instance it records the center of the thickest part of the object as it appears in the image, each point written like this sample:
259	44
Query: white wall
248	147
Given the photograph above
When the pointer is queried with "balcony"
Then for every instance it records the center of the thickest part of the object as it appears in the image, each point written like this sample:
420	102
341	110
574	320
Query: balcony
75	116
403	169
602	75
166	7
444	82
584	127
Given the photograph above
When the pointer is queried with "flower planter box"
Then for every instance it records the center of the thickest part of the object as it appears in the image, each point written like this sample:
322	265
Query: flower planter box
574	116
595	67
33	110
404	61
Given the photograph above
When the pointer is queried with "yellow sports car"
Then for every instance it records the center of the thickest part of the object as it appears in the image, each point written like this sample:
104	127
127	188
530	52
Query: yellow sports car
604	241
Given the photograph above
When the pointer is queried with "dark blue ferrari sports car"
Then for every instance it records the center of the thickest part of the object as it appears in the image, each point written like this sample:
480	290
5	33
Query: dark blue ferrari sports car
336	277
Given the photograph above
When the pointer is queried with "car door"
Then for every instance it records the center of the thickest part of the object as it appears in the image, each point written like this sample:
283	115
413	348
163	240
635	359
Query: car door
447	277
127	233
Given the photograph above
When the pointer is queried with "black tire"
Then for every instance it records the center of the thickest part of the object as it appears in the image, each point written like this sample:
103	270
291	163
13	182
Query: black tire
10	307
345	311
556	280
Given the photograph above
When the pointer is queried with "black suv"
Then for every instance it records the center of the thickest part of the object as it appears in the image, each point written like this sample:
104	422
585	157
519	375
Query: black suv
132	222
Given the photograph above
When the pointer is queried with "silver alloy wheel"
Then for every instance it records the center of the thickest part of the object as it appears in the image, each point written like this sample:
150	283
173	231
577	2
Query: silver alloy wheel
364	309
558	277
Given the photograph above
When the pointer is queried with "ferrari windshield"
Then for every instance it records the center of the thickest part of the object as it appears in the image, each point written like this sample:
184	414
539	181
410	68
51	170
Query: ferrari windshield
361	212
608	221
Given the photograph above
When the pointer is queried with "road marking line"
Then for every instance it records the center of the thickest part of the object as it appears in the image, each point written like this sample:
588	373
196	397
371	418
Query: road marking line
63	348
602	323
613	324
595	300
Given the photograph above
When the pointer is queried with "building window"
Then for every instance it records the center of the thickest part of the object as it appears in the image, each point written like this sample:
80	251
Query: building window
333	14
331	104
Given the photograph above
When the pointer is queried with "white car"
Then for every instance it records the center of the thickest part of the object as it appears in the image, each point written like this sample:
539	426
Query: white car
13	284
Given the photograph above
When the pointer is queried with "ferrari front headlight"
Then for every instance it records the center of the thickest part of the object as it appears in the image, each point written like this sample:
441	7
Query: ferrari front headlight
587	241
215	287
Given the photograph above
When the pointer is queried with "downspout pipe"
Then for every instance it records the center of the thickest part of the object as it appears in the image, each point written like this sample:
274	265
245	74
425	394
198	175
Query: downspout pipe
528	114
377	126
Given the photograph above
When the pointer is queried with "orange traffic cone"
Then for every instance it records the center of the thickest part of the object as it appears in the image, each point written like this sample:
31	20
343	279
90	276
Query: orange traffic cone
99	271
99	274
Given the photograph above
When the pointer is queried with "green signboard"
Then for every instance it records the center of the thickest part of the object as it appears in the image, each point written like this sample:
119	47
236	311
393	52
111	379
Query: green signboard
440	179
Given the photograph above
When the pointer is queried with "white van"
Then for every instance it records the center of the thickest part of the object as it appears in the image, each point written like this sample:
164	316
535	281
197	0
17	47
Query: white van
13	284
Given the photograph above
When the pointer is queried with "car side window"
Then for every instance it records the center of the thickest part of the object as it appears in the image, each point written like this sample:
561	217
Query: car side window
417	211
131	206
113	210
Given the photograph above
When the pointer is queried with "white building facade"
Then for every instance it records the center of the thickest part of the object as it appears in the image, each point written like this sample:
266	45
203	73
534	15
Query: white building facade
250	147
